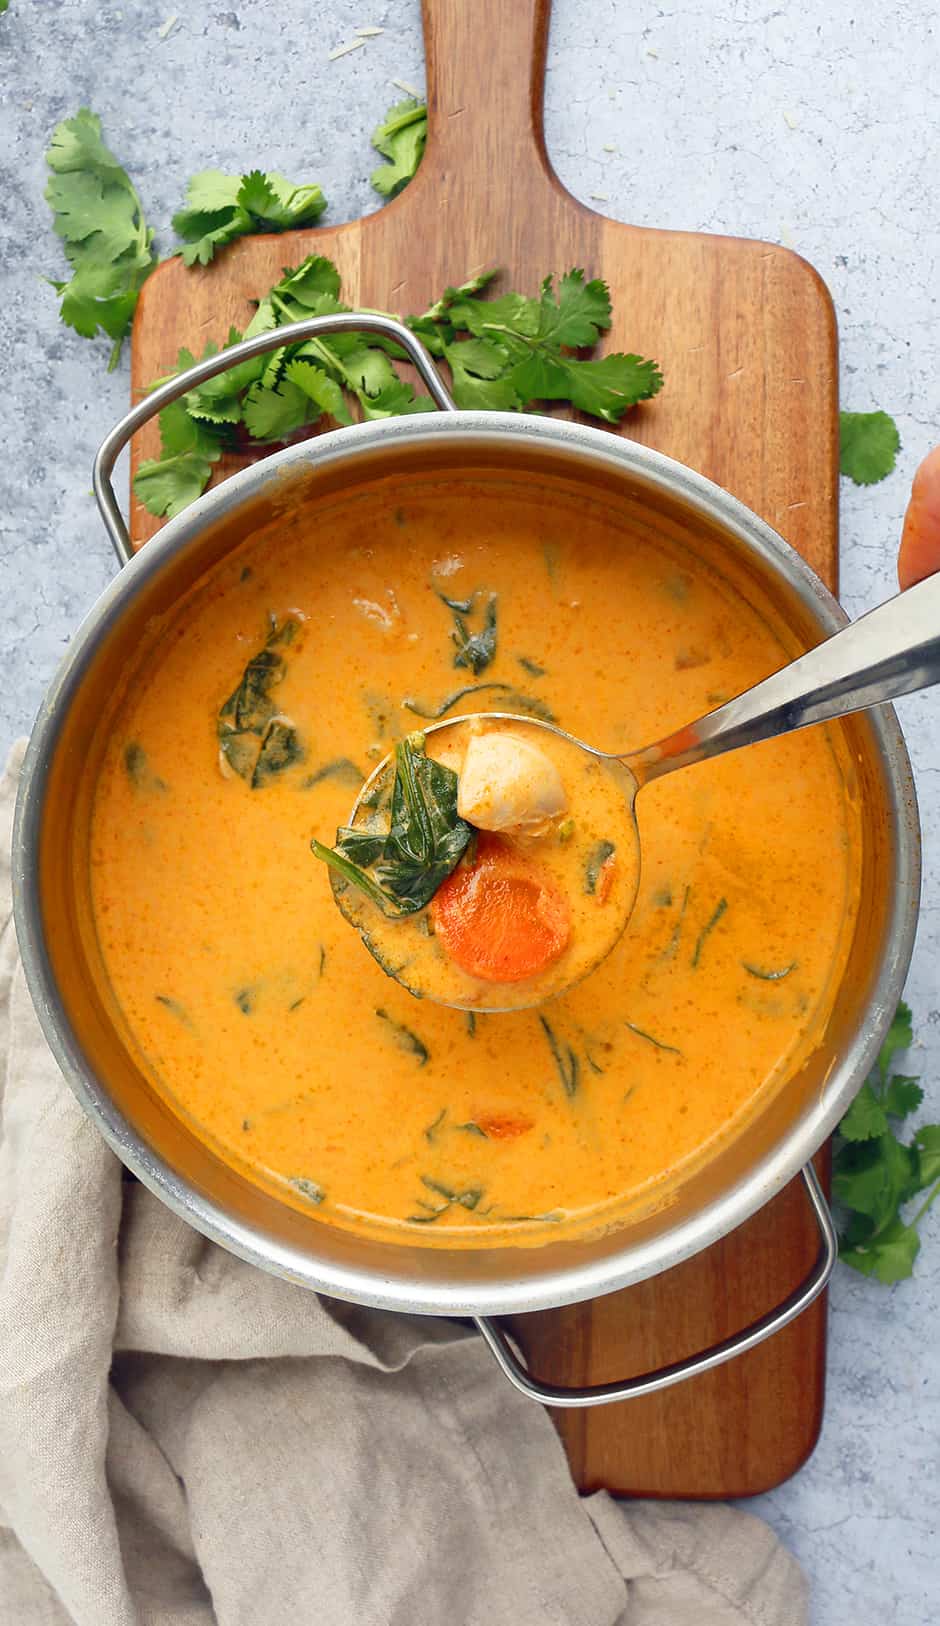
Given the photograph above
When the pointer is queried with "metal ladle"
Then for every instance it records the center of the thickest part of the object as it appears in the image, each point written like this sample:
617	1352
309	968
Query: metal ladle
891	651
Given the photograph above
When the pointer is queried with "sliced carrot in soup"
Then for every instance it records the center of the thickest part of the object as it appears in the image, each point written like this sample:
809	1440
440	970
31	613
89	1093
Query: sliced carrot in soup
501	917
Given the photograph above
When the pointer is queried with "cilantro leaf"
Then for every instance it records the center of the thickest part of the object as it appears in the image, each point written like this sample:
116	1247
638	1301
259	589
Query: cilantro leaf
900	1036
902	1096
100	219
272	412
866	1118
869	443
219	208
168	484
889	1257
401	139
518	349
927	1141
875	1174
395	399
576	317
607	388
275	204
323	391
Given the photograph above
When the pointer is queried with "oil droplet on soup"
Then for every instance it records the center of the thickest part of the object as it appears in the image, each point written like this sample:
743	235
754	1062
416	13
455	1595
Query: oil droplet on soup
249	726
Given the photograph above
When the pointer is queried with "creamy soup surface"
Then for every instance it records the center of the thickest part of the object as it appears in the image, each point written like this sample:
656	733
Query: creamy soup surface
254	1006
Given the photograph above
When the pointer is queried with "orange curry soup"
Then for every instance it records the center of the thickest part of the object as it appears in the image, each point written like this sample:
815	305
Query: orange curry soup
254	1006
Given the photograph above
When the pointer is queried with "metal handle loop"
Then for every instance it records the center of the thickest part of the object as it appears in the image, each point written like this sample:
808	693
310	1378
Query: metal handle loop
648	1383
348	322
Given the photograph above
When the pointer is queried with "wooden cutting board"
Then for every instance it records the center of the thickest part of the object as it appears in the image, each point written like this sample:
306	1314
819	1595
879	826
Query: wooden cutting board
745	335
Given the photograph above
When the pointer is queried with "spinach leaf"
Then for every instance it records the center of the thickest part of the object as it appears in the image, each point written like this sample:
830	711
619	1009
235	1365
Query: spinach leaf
401	868
254	741
475	649
340	769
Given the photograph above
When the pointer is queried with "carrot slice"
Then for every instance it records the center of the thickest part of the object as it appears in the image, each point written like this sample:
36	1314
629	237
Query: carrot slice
501	917
919	555
502	1125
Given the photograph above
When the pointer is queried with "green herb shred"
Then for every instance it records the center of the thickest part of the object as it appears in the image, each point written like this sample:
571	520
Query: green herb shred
405	1037
176	1009
435	1124
676	933
566	1060
309	1189
659	1044
594	863
707	930
138	770
532	667
767	975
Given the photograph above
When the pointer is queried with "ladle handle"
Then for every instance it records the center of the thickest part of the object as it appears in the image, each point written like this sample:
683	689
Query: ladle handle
891	651
293	333
648	1383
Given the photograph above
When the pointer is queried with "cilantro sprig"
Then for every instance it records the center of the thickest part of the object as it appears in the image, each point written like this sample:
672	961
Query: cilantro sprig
100	220
220	208
293	388
869	443
400	138
876	1174
508	352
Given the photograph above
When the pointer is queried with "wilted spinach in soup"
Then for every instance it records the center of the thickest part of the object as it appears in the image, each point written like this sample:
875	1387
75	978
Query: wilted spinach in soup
248	730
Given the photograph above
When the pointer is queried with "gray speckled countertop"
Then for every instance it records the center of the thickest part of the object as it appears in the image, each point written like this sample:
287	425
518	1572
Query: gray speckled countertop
751	119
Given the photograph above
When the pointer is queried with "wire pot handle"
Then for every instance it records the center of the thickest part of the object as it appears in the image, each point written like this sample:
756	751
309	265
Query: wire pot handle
648	1383
293	333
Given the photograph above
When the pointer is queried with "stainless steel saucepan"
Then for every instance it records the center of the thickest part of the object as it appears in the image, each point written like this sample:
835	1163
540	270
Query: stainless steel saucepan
53	917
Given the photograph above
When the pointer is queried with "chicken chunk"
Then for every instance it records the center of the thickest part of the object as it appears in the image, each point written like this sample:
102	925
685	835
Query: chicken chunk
507	784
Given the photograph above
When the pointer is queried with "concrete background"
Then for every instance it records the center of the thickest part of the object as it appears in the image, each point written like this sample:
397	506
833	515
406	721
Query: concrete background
810	125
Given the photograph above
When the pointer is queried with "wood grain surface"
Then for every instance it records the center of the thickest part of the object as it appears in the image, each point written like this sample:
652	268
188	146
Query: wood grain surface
745	335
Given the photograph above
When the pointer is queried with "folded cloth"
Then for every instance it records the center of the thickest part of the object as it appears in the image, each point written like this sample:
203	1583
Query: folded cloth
186	1441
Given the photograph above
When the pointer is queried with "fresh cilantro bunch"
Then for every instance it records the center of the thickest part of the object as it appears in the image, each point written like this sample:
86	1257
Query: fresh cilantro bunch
400	138
508	352
100	219
220	208
869	443
875	1174
272	397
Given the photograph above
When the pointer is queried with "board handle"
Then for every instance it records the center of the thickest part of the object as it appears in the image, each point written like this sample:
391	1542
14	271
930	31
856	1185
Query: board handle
647	1383
485	66
293	333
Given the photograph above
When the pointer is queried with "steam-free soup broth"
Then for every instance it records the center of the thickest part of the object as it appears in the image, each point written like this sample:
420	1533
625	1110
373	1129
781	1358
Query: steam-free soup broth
254	1006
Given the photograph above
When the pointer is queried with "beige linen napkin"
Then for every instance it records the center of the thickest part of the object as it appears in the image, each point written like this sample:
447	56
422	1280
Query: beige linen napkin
185	1441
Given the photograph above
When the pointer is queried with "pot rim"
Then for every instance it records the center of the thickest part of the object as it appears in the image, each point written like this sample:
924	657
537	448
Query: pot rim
553	1287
